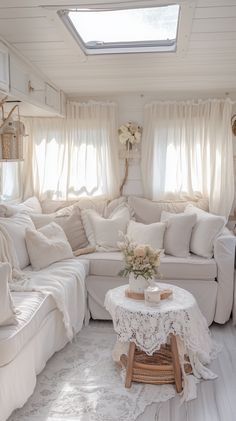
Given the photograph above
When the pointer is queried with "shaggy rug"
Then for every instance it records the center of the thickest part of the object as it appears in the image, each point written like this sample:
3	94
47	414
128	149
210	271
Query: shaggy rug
81	382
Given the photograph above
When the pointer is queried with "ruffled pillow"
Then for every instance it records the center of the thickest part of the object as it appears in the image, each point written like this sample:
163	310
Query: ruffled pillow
206	229
103	233
47	245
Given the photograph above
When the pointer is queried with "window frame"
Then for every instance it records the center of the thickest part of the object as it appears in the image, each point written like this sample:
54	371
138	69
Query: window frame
157	46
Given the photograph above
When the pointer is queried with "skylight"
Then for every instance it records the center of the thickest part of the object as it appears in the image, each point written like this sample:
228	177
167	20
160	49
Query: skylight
143	29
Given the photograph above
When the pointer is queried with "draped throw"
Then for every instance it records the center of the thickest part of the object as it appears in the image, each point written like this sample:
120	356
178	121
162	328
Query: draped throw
187	151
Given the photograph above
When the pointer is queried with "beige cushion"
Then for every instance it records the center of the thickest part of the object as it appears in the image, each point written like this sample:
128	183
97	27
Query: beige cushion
7	309
47	245
16	226
31	205
70	221
151	234
192	267
104	233
148	211
69	217
178	233
85	250
73	228
96	203
206	229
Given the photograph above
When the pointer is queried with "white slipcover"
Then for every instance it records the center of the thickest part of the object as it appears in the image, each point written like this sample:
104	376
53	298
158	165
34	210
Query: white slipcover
25	348
33	308
191	267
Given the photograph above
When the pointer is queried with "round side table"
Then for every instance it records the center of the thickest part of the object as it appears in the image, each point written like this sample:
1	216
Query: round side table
161	337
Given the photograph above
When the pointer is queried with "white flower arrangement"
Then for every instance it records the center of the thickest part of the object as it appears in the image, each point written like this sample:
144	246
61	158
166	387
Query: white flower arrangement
141	260
130	134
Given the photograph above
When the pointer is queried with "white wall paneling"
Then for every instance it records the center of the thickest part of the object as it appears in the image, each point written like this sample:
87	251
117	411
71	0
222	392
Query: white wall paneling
4	68
19	77
204	65
205	57
52	97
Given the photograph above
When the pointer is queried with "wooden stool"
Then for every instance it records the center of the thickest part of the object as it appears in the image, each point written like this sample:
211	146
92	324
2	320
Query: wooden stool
162	367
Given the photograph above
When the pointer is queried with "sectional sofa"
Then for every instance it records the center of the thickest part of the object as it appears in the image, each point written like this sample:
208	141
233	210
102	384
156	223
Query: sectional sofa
210	280
40	331
26	346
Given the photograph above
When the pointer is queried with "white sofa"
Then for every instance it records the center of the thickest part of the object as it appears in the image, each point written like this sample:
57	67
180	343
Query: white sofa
38	334
211	281
25	348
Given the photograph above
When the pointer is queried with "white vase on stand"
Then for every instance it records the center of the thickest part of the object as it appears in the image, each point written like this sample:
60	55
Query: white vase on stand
139	284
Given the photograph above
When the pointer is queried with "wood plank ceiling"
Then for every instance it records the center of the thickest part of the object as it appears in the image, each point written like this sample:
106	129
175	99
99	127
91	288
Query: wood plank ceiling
205	60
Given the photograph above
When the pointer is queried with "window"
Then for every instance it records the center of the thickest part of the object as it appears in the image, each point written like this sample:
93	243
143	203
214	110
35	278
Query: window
10	181
187	152
146	29
76	156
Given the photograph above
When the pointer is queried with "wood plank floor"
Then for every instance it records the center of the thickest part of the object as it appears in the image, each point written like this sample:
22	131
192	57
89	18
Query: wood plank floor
216	399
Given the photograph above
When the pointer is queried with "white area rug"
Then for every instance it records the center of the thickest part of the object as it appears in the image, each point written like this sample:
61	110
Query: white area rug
82	382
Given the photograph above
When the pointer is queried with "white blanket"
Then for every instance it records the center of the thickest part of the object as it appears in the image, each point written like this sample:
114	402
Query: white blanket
52	280
8	253
65	281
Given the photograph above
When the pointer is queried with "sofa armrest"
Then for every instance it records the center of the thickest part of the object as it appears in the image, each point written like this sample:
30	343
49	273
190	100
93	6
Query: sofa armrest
224	254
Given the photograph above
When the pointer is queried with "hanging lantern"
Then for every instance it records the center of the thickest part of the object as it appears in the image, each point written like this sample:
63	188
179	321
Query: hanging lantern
11	136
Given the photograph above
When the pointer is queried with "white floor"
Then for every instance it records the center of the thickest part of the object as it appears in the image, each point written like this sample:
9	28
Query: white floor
216	399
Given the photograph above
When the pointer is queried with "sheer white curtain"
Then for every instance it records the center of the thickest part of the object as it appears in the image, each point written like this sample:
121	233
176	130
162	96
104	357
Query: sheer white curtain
187	151
73	157
11	181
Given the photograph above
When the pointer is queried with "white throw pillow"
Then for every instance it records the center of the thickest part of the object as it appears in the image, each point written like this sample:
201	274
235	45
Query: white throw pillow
104	233
16	226
47	245
206	229
7	310
149	211
112	205
178	233
69	220
31	205
151	234
42	219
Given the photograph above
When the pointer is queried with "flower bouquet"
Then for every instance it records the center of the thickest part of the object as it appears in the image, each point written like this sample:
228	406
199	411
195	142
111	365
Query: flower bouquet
130	134
141	264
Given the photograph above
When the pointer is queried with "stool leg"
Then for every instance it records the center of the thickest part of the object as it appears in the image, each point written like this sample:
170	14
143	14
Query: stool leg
129	367
176	364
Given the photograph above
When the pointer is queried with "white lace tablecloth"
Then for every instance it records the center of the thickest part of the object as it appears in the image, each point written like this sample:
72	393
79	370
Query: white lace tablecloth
149	327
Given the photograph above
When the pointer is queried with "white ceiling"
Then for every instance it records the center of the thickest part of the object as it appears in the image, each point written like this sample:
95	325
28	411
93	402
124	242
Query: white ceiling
205	60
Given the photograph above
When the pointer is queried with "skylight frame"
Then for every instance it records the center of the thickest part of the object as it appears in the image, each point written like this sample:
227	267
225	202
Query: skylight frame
164	46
